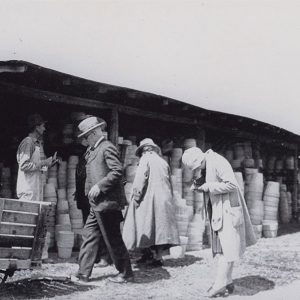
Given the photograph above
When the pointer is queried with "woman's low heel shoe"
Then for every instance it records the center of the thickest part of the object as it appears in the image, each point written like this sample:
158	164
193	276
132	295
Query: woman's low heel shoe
221	292
230	288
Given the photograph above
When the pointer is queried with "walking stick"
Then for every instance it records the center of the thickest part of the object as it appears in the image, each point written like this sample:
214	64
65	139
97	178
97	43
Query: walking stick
105	237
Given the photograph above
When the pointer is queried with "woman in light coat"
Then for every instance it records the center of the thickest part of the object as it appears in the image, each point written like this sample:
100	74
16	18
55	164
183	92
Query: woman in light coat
232	230
150	221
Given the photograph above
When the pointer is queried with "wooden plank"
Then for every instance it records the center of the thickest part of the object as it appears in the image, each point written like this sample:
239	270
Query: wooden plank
17	229
8	241
19	205
39	235
18	253
2	203
14	264
19	217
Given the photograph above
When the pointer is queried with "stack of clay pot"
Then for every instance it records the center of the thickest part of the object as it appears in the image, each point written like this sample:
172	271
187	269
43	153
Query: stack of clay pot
229	155
52	176
271	163
176	155
130	158
189	143
195	232
62	175
198	202
290	163
51	196
75	215
65	243
290	202
238	155
239	179
269	228
253	195
271	201
187	180
130	172
176	179
68	134
284	212
5	189
183	215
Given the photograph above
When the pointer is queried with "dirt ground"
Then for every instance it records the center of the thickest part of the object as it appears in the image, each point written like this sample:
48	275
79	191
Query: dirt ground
270	270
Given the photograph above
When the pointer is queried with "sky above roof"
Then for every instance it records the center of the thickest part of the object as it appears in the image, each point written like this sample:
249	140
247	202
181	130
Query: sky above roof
235	56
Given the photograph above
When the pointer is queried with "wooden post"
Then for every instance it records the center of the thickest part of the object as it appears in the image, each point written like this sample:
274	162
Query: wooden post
200	136
295	189
114	127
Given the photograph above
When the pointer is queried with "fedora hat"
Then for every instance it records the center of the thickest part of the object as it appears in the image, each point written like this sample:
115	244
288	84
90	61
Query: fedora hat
88	125
143	143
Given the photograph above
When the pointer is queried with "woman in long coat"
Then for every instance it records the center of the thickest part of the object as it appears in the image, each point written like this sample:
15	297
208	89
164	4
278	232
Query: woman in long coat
150	221
232	230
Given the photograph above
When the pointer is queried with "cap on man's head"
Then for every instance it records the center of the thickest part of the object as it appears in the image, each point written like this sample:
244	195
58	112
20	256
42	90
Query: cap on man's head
35	120
193	157
88	125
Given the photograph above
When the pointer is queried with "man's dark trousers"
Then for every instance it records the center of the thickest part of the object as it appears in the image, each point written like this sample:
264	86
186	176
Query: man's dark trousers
92	235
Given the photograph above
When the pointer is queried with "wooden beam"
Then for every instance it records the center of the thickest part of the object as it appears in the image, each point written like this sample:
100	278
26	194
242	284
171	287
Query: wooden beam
114	127
85	102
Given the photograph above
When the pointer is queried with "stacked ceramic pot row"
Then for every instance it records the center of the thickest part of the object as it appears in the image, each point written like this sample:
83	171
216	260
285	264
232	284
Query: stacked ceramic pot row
75	213
68	134
285	205
5	179
254	186
271	202
51	196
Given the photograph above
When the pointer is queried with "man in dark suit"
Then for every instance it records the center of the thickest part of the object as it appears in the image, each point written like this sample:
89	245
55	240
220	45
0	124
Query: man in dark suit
106	195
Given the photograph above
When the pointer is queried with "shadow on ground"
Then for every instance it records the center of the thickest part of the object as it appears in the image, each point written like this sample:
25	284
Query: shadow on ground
37	289
182	262
146	275
251	285
288	228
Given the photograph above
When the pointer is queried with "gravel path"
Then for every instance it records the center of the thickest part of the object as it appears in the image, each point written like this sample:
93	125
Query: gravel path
269	270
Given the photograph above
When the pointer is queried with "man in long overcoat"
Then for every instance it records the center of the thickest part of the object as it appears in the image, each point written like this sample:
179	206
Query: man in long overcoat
107	197
232	230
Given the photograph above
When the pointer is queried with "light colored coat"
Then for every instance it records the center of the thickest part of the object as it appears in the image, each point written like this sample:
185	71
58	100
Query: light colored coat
29	182
229	214
153	222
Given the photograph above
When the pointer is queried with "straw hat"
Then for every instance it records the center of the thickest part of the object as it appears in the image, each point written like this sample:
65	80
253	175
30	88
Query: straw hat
88	125
193	157
143	143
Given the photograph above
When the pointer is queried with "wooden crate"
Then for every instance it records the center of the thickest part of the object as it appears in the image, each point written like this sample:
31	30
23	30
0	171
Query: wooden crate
22	232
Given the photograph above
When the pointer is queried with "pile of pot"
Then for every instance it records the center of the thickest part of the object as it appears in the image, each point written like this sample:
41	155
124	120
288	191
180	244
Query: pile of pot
284	210
51	196
176	155
68	134
187	180
176	180
271	201
253	195
5	187
65	243
195	232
